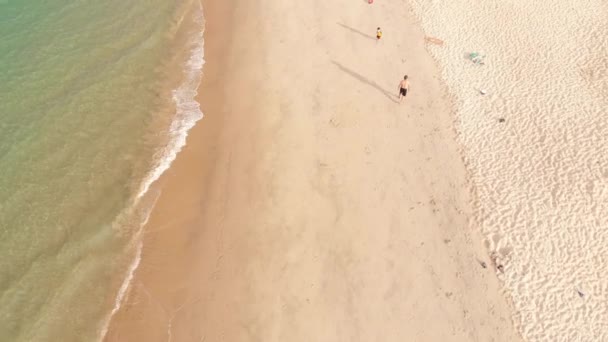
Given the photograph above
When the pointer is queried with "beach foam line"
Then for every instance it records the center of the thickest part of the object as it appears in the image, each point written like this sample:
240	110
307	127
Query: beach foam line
187	113
188	110
137	239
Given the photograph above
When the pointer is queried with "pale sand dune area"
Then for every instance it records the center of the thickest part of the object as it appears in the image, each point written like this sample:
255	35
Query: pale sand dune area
536	146
308	204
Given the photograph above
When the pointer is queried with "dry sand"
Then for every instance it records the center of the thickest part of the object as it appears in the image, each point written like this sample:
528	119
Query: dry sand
308	205
542	173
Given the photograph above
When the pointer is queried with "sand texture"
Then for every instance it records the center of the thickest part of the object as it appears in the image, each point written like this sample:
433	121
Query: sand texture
536	146
309	205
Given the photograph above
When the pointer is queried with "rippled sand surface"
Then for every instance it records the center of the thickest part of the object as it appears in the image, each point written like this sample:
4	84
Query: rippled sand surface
536	144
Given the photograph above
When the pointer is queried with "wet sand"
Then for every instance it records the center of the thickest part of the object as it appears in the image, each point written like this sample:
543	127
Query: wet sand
309	205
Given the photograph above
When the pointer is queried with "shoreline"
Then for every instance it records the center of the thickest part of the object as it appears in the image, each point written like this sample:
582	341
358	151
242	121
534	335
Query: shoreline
250	282
198	141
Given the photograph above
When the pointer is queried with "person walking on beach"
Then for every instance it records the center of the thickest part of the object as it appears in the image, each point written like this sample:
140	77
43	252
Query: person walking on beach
378	34
404	86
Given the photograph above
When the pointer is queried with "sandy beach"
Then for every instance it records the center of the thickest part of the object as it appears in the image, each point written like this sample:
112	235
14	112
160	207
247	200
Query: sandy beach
535	146
308	204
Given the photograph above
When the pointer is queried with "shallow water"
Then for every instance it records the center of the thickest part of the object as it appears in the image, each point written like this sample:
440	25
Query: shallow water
536	146
87	123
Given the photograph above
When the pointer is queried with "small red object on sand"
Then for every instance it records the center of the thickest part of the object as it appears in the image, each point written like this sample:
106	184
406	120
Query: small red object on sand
370	1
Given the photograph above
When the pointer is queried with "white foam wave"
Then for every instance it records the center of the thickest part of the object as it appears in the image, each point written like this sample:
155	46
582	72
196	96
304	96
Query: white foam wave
187	113
188	110
136	240
124	287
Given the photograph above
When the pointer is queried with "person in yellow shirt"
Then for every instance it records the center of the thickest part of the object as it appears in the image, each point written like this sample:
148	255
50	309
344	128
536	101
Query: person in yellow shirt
378	34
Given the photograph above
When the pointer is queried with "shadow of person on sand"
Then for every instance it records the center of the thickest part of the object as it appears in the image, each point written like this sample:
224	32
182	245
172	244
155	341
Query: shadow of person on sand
368	36
362	79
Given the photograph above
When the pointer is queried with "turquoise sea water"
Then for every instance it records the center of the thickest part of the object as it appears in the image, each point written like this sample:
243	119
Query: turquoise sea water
87	122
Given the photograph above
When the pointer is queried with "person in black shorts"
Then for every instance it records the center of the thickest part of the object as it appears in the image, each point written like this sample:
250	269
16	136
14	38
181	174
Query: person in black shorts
404	86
